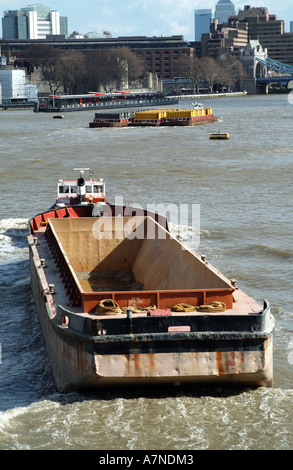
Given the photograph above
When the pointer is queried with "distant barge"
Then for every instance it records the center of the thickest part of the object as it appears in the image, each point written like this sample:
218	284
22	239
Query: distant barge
154	117
121	301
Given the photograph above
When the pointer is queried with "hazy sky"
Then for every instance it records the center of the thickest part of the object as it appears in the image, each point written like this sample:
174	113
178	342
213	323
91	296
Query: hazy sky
141	17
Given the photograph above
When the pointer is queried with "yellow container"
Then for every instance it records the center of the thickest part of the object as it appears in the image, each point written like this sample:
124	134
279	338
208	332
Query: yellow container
151	115
176	113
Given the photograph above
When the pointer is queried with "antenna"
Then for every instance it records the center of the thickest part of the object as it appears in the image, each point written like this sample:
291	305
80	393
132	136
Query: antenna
82	170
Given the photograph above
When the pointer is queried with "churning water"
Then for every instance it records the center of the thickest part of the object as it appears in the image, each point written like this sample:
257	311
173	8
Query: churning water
244	189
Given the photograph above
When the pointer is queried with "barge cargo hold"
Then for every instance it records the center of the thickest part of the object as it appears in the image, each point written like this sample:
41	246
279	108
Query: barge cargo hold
121	301
154	117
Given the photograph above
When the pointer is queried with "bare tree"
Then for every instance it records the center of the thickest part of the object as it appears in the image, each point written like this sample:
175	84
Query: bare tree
231	70
41	56
101	70
110	73
226	70
129	64
211	71
111	69
54	79
191	68
70	71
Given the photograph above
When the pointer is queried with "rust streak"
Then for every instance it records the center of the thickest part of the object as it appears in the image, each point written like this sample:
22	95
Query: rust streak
137	364
152	364
219	362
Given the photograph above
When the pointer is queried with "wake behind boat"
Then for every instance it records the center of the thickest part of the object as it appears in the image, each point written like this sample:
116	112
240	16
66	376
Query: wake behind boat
121	301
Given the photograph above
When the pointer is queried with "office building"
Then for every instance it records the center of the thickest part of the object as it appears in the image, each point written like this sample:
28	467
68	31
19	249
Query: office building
224	9
33	22
202	22
268	30
223	40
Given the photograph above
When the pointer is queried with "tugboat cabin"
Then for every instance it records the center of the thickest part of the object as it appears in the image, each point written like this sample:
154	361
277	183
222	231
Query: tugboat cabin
68	191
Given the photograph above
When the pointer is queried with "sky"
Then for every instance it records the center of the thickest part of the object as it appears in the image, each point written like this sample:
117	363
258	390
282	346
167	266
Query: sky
141	17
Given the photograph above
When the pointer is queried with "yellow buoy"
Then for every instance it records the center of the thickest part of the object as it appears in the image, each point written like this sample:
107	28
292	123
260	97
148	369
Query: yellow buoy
220	135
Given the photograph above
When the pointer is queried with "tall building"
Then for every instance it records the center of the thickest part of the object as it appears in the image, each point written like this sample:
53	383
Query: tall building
224	9
268	30
224	40
202	22
33	22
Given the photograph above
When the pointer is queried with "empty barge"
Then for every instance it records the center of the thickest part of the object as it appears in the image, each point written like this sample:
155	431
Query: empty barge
121	301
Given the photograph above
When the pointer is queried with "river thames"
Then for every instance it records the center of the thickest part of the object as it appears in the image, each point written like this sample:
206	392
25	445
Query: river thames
244	189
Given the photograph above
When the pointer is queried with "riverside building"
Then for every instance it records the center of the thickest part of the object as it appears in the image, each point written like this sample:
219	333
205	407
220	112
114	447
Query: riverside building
159	55
15	86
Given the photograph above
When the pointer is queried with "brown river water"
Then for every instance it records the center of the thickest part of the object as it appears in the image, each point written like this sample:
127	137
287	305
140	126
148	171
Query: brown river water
243	187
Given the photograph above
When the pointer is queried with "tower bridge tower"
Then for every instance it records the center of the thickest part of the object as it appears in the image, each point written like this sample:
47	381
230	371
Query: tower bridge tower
254	69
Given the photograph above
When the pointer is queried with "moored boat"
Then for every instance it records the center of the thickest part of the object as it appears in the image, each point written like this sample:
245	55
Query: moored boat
103	101
121	301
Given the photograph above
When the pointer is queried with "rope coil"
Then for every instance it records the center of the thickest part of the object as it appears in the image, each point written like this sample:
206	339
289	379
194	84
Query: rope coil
183	308
110	307
139	309
212	307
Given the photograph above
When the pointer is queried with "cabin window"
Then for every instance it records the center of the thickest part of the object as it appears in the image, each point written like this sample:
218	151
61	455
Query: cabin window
63	189
73	189
89	189
98	189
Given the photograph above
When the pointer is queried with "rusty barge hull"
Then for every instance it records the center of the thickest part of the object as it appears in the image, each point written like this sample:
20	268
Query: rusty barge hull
88	349
154	123
196	121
